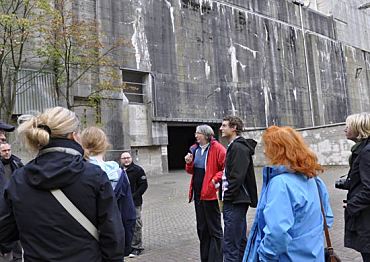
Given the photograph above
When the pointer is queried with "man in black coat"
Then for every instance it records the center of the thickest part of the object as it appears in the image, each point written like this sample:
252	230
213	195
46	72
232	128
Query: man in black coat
3	128
239	189
5	249
9	161
139	184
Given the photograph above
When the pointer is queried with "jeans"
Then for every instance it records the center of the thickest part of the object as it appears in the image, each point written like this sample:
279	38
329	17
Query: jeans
235	231
209	230
137	239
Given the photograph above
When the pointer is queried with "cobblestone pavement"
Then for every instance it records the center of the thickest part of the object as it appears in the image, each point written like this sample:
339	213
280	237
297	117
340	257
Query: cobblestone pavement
169	232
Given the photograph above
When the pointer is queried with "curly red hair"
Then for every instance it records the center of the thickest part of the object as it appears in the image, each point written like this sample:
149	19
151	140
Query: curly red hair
285	146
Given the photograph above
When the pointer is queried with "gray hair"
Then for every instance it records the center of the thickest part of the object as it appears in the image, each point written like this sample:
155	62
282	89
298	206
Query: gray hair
359	123
206	130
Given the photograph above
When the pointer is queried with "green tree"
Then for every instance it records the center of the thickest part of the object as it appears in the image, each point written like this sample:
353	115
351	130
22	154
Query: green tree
75	51
18	18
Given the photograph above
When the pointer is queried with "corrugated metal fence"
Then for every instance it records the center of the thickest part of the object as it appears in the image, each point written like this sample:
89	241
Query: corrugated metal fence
35	91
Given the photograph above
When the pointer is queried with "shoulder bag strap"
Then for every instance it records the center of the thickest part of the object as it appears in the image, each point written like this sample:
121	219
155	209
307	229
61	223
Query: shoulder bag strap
75	212
326	230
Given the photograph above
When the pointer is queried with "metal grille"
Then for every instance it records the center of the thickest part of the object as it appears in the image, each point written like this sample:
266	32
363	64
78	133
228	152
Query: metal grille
35	91
133	85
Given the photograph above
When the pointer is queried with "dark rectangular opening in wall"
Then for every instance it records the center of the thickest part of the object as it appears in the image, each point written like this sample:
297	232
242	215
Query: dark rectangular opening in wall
133	85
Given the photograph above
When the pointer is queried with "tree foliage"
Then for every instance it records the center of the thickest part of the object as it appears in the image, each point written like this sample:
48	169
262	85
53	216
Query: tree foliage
75	51
18	18
49	35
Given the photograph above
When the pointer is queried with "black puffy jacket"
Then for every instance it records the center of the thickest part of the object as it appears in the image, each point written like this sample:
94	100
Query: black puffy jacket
46	230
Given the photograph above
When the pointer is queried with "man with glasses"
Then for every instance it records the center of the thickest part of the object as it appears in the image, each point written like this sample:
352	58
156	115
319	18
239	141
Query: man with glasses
139	184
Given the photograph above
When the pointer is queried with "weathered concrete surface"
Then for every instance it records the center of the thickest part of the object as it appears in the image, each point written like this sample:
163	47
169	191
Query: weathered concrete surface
268	61
352	24
329	144
211	58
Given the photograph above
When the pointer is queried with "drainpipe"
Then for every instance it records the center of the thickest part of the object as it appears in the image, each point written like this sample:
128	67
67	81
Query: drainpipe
301	4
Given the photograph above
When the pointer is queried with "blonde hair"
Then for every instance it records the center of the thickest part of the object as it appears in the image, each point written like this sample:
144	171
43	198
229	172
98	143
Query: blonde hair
36	131
94	141
359	123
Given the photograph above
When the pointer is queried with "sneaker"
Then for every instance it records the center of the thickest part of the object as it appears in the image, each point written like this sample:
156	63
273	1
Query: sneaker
135	253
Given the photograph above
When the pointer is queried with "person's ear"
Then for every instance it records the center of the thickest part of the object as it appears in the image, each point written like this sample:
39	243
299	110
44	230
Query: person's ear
76	137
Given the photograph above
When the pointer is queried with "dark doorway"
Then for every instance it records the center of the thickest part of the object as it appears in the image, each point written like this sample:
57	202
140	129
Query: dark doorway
180	138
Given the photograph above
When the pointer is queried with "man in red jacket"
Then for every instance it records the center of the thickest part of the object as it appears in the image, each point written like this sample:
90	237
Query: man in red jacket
205	162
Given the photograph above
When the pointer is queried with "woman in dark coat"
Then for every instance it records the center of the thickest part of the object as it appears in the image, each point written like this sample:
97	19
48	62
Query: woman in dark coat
29	211
95	143
357	206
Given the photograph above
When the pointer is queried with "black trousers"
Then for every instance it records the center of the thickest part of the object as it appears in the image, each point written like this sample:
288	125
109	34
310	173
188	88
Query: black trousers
209	230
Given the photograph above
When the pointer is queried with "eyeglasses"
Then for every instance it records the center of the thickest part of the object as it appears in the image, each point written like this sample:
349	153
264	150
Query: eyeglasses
125	158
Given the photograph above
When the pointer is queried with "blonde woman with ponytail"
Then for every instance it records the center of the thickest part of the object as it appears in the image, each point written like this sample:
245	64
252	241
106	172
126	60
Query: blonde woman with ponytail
95	143
29	211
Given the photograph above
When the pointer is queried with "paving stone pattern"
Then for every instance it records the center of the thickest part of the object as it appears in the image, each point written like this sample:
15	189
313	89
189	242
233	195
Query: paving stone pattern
169	232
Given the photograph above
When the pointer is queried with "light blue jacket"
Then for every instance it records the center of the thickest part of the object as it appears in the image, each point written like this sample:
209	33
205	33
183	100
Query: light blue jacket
111	168
288	225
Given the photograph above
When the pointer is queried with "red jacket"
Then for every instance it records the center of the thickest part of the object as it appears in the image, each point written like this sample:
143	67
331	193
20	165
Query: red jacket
214	168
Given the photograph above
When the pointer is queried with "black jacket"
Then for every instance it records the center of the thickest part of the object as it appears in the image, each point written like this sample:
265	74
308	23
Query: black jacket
46	230
2	178
14	162
138	182
357	213
239	172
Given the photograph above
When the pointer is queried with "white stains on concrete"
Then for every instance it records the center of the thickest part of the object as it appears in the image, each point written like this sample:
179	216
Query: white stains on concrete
170	7
233	110
242	65
234	62
266	33
266	95
207	69
140	42
324	146
295	93
201	2
254	52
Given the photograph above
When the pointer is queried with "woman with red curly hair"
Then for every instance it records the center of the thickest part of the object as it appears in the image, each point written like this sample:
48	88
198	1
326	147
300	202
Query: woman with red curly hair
289	225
